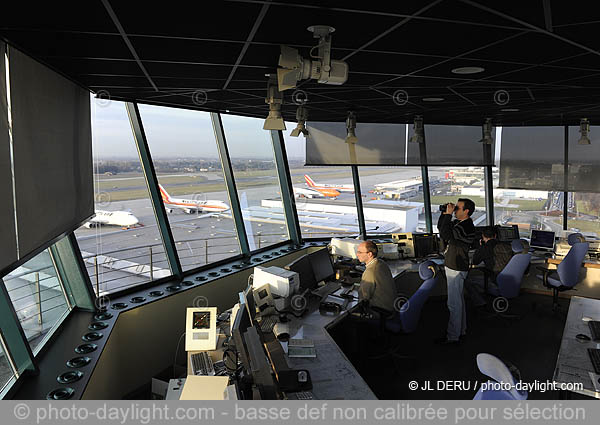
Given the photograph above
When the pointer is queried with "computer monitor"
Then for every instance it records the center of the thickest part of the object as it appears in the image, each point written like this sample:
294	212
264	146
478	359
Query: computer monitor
425	244
507	233
321	265
542	239
241	323
303	267
250	303
260	365
201	329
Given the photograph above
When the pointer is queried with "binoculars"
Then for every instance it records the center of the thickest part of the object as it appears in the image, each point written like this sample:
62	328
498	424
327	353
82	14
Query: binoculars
443	207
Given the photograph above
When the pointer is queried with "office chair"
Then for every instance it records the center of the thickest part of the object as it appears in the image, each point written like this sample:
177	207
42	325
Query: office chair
494	368
509	279
405	320
566	275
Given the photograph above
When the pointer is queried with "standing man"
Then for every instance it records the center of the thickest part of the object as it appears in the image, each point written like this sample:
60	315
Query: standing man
377	284
458	235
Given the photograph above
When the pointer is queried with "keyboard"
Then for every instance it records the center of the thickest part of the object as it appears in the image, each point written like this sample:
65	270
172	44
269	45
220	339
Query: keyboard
202	364
594	354
327	289
267	323
301	395
594	329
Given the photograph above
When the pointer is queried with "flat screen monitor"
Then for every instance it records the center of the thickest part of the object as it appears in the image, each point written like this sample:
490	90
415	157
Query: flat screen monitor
542	239
241	323
321	265
250	303
508	233
303	267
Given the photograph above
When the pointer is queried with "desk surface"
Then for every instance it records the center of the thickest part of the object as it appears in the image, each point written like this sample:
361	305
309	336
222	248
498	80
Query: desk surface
591	264
333	375
573	364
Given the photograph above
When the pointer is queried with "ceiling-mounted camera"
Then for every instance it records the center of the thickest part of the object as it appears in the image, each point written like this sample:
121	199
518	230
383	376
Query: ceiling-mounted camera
293	67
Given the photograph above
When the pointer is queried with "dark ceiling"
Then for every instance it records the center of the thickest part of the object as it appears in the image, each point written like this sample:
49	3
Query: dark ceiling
541	58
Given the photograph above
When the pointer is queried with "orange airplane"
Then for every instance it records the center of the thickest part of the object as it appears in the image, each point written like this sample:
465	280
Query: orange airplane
328	187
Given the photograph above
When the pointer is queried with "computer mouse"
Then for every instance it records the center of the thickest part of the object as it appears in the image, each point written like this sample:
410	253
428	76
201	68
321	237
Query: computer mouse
582	337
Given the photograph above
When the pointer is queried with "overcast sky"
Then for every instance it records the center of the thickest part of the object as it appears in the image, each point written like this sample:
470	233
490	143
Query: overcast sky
182	133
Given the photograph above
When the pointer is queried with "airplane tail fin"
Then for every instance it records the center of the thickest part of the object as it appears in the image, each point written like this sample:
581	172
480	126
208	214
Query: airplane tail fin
309	181
163	193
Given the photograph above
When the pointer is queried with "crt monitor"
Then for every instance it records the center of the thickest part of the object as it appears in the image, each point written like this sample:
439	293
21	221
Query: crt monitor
303	267
321	265
542	239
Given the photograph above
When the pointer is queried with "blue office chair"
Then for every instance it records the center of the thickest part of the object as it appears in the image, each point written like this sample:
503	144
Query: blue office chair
509	280
407	319
566	275
502	387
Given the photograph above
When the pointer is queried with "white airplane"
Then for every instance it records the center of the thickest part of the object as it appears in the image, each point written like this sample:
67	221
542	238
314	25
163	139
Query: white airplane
308	193
321	187
191	206
112	218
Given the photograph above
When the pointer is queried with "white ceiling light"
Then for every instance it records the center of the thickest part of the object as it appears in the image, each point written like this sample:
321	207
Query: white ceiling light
510	110
465	70
351	128
584	129
274	98
419	136
301	117
293	67
433	99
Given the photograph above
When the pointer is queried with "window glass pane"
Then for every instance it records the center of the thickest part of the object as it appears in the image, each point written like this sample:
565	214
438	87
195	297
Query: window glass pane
447	184
186	159
392	199
528	209
37	297
251	153
325	200
584	213
121	246
6	372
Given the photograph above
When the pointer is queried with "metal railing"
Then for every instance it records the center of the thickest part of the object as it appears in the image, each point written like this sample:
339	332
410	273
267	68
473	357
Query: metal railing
38	300
119	269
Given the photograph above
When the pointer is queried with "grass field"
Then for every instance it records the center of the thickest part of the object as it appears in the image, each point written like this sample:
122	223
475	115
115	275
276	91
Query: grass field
130	186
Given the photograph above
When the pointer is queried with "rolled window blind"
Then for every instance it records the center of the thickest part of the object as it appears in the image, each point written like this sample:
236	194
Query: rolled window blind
8	244
584	161
386	144
532	158
378	144
52	152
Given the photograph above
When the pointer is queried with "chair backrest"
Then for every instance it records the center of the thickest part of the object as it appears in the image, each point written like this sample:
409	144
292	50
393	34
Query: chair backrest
568	269
410	312
493	367
407	319
509	279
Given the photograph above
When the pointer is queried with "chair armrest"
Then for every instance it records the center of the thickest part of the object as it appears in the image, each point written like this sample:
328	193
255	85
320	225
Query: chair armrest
545	269
545	273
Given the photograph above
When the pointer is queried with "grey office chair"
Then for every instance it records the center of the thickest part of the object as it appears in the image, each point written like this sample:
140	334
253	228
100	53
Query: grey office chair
566	275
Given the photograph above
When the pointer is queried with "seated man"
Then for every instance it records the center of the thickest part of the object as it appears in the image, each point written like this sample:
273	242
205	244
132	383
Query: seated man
495	255
377	284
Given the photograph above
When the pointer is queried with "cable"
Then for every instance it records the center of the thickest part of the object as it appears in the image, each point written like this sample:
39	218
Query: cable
177	350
